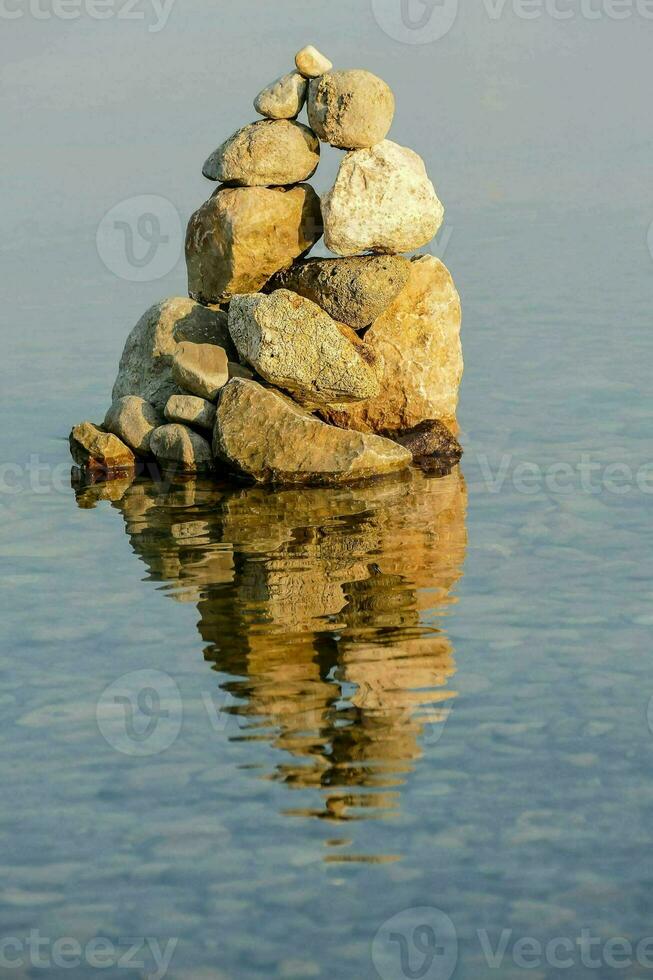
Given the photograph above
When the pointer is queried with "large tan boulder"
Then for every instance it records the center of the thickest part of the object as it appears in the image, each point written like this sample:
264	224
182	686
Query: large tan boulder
200	369
241	236
350	109
292	343
420	361
283	98
146	362
354	290
264	154
265	436
382	201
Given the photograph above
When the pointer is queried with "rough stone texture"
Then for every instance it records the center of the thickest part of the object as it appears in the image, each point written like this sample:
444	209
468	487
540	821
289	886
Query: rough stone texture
264	154
265	436
417	342
430	438
350	109
295	345
133	420
190	410
176	446
284	98
200	369
354	291
146	362
311	63
94	449
382	201
241	236
239	371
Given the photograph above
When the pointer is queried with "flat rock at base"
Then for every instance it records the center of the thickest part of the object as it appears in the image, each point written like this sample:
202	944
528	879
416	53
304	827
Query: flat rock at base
417	343
352	290
190	410
350	109
94	449
284	98
178	447
311	63
382	201
295	345
265	436
241	236
266	153
430	438
200	369
133	420
146	362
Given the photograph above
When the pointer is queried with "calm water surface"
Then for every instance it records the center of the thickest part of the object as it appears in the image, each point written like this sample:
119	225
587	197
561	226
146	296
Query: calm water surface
264	723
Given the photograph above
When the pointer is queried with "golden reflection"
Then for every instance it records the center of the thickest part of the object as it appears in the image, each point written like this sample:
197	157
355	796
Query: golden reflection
319	608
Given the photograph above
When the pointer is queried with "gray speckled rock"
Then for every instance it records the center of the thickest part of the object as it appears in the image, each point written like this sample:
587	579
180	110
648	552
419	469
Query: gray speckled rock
295	345
146	362
352	290
382	201
350	109
284	98
267	153
190	410
200	369
133	420
101	452
263	435
243	235
311	62
178	447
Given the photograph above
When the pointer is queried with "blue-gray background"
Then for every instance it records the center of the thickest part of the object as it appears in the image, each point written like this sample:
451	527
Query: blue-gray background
532	812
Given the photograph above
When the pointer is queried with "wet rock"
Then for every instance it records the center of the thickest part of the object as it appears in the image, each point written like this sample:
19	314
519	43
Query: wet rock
94	449
350	109
265	436
284	98
133	420
295	345
431	443
146	362
178	447
266	153
200	369
352	290
382	201
311	63
241	236
420	363
190	410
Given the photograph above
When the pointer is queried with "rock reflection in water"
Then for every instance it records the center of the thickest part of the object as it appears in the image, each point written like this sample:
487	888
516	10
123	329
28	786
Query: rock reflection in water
315	604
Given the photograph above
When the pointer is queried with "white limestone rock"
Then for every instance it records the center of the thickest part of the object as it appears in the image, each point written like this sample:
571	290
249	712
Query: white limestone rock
382	201
311	63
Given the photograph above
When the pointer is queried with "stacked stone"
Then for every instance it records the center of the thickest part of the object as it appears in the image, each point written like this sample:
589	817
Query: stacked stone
287	369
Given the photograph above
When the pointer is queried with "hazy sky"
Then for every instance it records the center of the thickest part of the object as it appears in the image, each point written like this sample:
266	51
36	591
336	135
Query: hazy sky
503	107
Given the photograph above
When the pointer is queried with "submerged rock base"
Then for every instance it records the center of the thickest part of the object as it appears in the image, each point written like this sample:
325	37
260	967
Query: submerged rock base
283	369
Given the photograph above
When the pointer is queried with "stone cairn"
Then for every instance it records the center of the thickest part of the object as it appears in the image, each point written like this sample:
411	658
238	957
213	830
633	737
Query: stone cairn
284	369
